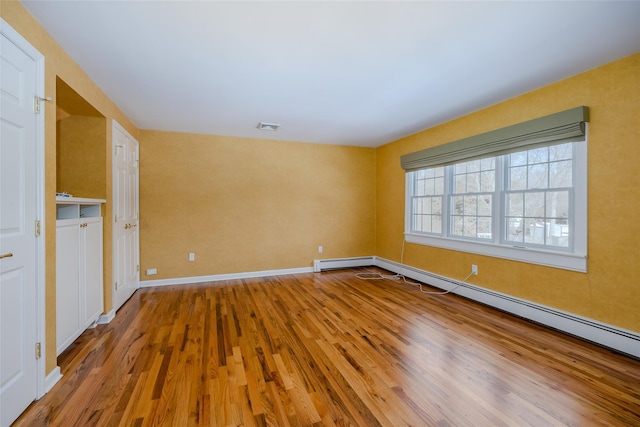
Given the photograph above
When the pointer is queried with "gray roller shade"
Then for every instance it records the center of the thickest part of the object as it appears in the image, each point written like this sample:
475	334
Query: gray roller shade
560	127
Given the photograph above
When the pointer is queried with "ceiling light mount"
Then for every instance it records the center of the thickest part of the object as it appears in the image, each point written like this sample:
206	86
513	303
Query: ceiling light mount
268	126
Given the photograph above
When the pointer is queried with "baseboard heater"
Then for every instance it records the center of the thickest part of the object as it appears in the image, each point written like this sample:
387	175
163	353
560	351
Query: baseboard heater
339	263
609	336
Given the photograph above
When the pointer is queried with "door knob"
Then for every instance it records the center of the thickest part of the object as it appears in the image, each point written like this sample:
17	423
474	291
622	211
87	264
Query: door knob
7	255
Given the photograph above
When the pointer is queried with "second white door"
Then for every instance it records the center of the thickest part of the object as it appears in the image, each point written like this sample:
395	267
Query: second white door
126	264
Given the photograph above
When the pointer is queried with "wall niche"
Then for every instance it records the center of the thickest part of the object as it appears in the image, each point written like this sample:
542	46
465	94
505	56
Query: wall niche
81	145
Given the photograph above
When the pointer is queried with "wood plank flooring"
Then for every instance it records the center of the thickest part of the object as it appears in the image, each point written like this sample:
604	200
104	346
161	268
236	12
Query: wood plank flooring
331	349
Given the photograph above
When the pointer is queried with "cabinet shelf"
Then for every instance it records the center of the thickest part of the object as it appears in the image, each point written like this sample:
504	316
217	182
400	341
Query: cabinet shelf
77	207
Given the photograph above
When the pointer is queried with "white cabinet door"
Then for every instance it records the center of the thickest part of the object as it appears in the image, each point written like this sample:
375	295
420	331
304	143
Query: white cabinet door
79	300
67	283
91	271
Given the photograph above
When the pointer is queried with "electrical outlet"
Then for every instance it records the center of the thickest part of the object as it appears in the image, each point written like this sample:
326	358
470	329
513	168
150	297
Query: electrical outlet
192	256
151	271
474	269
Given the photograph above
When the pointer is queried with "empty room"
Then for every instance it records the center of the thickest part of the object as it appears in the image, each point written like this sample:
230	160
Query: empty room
327	213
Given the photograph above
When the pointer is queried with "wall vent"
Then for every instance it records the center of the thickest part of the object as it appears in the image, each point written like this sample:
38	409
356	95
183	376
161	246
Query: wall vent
268	126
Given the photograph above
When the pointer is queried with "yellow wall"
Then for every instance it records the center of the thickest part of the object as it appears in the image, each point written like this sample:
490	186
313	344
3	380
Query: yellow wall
610	291
59	65
250	205
81	157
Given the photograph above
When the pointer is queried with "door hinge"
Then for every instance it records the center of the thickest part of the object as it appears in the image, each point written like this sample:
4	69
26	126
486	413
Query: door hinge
37	228
138	268
36	103
38	350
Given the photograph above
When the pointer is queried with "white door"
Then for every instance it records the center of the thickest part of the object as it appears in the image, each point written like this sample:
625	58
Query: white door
126	266
18	242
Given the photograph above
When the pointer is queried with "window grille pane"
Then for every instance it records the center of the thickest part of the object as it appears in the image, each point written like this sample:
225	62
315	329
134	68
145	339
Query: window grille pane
518	159
534	204
515	204
488	181
557	204
518	178
484	205
436	224
473	166
470	205
469	227
561	174
515	229
436	205
484	228
535	231
460	184
438	185
457	225
538	155
473	183
537	176
561	152
488	163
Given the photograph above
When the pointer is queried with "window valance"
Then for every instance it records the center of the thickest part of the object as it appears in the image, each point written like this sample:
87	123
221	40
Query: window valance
556	128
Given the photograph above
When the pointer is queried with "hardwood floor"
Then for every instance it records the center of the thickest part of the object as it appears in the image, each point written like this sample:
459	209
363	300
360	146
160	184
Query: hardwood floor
331	349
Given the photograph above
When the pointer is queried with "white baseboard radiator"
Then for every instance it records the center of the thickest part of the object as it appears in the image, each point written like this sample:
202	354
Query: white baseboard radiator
609	336
338	263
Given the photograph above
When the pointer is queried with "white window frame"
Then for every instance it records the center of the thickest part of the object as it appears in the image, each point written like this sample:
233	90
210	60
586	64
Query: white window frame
575	259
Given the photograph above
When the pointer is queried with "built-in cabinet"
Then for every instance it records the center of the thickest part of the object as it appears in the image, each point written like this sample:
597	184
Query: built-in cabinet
79	274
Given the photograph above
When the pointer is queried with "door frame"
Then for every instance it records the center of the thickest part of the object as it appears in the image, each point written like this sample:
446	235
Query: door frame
44	384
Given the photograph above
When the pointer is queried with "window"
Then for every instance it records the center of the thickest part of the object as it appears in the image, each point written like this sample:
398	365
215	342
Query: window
538	197
527	204
427	200
471	199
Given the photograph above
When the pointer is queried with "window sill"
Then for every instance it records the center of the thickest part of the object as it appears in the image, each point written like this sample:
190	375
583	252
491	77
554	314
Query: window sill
560	260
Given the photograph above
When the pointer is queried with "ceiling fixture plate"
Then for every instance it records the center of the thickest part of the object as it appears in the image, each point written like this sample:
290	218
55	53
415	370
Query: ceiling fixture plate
268	126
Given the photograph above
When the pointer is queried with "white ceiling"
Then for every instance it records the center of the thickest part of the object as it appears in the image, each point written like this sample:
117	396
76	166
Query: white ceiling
352	73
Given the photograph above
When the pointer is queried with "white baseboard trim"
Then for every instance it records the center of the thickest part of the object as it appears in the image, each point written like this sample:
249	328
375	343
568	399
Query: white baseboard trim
615	338
52	379
106	318
219	277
